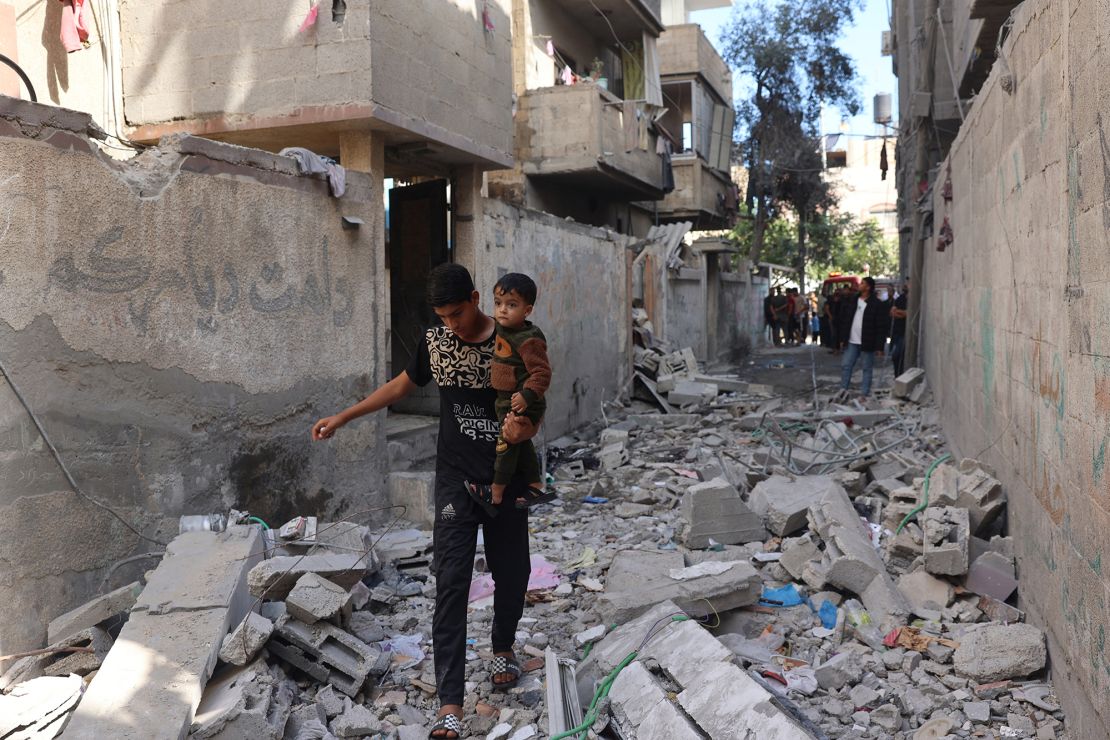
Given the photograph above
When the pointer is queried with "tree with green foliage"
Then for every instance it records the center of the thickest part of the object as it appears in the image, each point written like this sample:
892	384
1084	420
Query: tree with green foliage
786	53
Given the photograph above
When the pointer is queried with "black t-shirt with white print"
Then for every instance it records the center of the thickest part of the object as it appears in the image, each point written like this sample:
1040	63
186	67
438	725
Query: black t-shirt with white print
467	423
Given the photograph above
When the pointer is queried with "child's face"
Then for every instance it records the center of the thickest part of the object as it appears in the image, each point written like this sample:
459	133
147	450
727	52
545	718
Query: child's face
509	309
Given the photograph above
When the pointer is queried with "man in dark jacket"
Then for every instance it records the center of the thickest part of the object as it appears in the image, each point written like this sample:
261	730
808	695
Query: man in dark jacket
866	335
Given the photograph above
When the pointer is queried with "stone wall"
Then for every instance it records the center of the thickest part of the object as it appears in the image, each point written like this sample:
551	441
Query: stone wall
1017	346
176	323
582	306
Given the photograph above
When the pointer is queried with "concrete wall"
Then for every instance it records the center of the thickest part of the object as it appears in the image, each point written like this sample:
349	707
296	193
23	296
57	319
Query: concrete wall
1017	345
424	66
740	320
582	307
176	323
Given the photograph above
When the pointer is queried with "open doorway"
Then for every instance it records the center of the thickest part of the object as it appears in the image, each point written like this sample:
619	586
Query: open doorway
418	241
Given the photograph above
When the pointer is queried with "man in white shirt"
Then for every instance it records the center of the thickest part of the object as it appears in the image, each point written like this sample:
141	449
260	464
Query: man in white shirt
866	338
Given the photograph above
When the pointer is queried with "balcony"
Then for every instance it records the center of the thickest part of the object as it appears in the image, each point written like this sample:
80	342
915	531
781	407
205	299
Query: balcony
629	18
576	136
686	52
699	195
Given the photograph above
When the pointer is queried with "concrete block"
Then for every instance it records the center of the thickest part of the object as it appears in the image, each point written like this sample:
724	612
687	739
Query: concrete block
639	579
664	382
700	665
907	381
358	721
273	579
992	575
797	553
93	612
328	654
157	669
613	456
611	435
315	598
947	538
925	592
837	671
850	561
981	494
784	502
416	492
691	392
61	664
243	643
714	510
990	652
724	384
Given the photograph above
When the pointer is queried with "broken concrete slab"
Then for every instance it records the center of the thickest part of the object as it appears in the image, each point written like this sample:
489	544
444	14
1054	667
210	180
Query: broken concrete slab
687	392
783	502
243	643
613	456
713	510
925	592
328	654
700	665
947	539
981	494
39	708
797	553
240	702
837	671
850	561
156	671
907	381
991	652
315	598
357	721
639	579
992	575
62	663
93	612
273	579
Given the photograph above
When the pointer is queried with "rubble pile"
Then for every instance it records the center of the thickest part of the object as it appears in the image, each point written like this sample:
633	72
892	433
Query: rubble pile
745	566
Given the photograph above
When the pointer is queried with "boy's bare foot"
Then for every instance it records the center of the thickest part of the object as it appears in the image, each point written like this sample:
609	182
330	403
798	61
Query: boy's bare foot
444	732
498	492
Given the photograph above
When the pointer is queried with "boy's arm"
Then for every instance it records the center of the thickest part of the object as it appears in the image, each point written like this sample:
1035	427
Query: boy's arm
534	354
386	395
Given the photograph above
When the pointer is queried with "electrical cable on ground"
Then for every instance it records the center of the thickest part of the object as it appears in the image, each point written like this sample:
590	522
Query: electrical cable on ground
61	464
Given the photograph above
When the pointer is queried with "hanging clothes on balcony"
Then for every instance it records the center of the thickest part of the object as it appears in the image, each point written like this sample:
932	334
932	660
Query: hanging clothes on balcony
75	25
664	149
632	60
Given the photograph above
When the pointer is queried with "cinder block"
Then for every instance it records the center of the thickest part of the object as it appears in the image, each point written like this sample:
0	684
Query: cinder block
416	491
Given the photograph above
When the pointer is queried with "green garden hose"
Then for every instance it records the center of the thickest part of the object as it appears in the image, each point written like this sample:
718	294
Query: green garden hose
925	502
256	519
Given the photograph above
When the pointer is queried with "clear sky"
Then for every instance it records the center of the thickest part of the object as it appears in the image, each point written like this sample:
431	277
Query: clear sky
863	42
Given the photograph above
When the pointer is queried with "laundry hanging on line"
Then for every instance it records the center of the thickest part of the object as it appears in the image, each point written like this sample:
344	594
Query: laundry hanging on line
75	25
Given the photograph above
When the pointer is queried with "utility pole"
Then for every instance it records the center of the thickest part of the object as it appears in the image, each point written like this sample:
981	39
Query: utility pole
920	174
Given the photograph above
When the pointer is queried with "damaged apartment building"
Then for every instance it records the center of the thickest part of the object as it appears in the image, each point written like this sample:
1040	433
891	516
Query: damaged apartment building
180	300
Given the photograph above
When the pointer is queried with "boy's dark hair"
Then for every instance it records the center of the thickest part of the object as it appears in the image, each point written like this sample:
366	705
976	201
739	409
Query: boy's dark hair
870	283
449	283
519	283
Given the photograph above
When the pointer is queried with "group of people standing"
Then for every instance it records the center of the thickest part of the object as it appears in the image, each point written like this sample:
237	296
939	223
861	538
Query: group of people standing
854	321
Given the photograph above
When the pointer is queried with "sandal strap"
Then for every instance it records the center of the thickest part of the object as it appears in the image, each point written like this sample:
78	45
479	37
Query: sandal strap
449	722
505	664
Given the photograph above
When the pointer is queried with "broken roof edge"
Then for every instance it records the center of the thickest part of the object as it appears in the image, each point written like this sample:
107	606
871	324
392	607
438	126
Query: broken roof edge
155	167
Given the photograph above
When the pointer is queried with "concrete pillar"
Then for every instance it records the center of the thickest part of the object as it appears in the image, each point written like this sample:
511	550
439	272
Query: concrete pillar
468	218
364	151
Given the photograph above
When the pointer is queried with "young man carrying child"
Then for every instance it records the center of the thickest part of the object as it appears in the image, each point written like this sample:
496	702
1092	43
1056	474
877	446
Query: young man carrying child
521	374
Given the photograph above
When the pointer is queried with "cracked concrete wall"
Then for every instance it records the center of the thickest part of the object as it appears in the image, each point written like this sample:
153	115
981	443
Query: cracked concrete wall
176	323
1017	346
582	305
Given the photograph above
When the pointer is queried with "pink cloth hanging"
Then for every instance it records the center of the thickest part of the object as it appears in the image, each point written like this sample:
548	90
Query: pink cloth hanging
75	25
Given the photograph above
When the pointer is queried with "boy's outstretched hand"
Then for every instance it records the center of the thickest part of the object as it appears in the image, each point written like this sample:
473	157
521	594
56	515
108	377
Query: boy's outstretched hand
325	428
517	403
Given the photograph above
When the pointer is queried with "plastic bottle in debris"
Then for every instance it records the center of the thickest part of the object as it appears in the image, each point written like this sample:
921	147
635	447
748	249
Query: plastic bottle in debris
202	523
861	624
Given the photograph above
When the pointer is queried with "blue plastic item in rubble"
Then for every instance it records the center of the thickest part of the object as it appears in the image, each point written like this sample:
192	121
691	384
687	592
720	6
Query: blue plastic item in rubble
786	596
827	614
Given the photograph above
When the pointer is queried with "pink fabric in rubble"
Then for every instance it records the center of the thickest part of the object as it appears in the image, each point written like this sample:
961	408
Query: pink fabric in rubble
543	576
